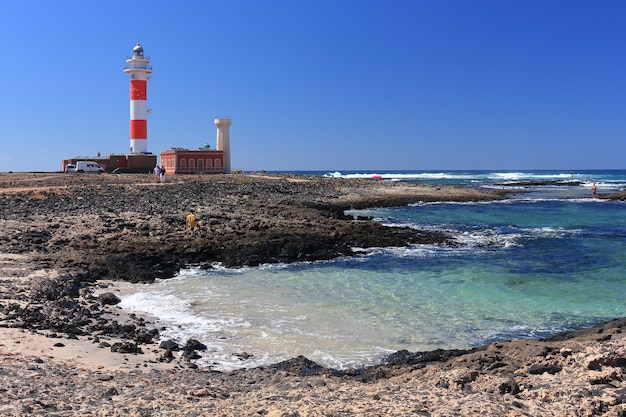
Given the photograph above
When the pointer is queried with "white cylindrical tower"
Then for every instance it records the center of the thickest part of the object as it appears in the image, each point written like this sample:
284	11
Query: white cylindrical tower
223	140
139	68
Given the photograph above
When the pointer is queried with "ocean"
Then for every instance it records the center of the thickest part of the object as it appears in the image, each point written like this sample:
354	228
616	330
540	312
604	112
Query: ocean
546	260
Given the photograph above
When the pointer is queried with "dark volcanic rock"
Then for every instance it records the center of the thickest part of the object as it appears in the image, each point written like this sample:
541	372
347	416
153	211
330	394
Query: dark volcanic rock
300	366
126	347
124	227
57	289
404	357
600	332
193	344
169	345
108	298
540	183
619	196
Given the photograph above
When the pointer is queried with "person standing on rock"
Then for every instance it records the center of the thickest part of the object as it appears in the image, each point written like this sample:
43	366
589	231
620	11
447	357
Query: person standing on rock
192	225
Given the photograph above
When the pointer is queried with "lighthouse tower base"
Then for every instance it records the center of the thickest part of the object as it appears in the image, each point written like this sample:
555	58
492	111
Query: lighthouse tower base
138	146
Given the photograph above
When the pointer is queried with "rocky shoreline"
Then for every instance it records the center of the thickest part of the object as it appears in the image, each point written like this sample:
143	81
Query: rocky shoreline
124	227
64	235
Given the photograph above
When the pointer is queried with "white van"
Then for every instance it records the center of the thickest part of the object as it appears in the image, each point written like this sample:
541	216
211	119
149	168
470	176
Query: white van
88	166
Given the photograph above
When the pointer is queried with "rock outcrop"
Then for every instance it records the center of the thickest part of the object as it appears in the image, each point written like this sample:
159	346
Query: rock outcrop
125	227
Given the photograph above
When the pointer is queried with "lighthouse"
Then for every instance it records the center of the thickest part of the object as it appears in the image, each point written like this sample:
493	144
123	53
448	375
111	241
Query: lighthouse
139	68
223	140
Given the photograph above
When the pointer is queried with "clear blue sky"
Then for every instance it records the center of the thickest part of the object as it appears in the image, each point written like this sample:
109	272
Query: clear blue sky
322	85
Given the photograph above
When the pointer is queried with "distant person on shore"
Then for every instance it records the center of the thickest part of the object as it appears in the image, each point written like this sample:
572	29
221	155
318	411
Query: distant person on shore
157	173
594	189
162	174
192	223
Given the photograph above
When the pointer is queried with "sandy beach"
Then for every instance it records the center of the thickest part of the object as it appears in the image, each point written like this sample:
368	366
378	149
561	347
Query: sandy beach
66	349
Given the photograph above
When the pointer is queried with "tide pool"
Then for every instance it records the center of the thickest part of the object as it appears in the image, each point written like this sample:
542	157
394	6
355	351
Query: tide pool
530	266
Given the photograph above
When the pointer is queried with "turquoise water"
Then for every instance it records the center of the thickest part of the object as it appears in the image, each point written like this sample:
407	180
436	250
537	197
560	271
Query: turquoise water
544	261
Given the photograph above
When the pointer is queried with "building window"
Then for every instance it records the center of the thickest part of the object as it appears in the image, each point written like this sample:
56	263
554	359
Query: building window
209	164
200	165
192	164
183	165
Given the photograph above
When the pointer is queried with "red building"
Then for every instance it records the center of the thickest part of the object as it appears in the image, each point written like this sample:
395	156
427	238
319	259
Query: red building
192	161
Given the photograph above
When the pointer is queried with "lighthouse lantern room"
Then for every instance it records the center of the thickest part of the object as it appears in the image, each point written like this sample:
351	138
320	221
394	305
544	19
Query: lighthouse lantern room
139	68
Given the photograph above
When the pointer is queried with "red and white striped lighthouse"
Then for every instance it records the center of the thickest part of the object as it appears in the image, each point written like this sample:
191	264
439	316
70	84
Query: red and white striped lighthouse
139	68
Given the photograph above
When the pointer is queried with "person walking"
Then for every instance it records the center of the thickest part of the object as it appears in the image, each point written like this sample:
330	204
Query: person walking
191	223
162	174
157	173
